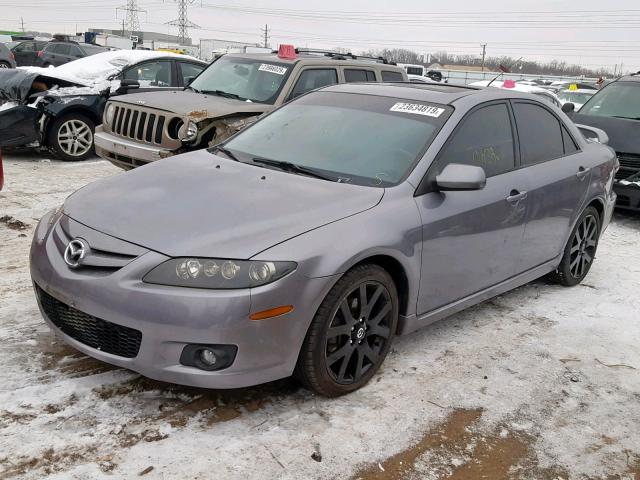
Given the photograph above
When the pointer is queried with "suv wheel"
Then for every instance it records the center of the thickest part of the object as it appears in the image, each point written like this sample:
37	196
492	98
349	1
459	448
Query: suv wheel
351	333
71	137
580	250
4	65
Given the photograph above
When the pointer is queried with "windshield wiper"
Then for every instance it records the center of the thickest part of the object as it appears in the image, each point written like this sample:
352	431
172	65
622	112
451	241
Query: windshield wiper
226	151
626	118
293	168
222	93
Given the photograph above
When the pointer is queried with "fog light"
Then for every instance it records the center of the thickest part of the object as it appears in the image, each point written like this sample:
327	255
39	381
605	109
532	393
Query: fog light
208	357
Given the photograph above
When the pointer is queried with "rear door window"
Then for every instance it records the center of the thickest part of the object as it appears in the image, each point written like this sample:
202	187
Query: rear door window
569	144
539	132
189	71
388	76
484	139
355	75
314	78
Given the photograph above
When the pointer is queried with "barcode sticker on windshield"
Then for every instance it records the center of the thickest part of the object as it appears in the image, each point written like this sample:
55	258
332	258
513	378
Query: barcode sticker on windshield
265	67
418	109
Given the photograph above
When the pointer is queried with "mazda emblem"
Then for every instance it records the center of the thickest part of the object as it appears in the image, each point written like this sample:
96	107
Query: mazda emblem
75	252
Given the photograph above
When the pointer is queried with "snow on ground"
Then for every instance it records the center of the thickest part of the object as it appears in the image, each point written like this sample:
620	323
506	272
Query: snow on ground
539	383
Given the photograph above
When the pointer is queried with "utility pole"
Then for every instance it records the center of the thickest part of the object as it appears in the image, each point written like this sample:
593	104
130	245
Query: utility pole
22	24
123	27
183	22
265	32
484	53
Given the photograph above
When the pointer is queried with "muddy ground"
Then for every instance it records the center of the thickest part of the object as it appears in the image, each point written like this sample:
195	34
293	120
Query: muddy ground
539	383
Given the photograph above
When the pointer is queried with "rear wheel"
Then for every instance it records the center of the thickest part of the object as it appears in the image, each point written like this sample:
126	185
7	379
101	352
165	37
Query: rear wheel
4	65
351	333
580	250
71	137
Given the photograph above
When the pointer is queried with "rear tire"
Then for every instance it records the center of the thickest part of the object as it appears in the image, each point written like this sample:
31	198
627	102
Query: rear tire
580	250
4	64
351	333
71	137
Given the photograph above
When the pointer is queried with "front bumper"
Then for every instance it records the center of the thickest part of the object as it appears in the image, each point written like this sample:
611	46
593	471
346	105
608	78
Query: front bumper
172	317
124	153
18	126
628	195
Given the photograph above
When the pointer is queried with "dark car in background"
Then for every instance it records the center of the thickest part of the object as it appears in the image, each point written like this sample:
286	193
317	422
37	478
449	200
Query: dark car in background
60	52
26	51
7	59
60	107
616	110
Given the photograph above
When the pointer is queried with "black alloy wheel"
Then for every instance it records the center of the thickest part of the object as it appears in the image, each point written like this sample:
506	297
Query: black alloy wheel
360	328
351	333
580	250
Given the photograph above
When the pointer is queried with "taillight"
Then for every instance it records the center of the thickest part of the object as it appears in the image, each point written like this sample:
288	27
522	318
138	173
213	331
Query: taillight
40	53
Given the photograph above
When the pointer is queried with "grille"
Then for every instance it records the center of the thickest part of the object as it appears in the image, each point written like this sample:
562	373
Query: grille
92	331
629	165
134	123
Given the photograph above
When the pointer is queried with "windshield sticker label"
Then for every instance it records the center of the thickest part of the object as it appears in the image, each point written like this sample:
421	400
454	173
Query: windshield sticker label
418	109
265	67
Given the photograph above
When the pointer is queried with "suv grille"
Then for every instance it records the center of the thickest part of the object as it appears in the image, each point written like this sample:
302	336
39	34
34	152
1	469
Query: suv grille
629	165
92	331
138	124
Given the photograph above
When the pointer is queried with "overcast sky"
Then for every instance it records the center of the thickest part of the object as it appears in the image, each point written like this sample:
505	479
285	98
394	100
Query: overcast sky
592	33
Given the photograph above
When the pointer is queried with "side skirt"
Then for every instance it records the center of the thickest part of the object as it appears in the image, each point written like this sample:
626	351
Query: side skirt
412	323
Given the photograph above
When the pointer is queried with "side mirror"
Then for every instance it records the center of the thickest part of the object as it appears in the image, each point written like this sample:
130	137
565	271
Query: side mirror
456	176
568	107
126	85
593	134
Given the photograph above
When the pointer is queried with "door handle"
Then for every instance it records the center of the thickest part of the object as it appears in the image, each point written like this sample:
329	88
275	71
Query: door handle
515	196
582	172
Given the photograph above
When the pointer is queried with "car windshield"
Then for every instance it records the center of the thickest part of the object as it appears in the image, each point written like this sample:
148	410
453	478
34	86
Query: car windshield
618	99
575	97
250	79
93	49
360	139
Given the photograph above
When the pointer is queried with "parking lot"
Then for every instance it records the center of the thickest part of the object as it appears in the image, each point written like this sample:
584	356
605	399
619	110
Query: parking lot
539	383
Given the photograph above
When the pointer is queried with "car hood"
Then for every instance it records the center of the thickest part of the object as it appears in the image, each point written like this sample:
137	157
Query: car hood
198	204
17	84
624	135
197	106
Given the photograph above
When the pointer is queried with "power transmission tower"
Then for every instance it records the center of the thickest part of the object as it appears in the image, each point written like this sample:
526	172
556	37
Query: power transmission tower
183	23
132	23
265	32
484	53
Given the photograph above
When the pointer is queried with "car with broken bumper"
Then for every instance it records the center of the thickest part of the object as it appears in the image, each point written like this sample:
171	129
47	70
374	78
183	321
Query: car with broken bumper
233	92
59	108
305	243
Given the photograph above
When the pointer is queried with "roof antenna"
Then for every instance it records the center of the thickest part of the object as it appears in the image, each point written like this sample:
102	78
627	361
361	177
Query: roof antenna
503	70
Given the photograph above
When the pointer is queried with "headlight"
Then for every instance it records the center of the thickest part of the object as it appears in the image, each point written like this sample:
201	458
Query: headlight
217	273
108	114
188	132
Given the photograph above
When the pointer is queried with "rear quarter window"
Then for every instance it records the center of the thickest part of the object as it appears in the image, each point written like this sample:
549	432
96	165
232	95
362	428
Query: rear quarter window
539	132
389	76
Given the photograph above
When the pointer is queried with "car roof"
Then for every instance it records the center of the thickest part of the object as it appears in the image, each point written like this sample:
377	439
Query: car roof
316	58
629	78
425	92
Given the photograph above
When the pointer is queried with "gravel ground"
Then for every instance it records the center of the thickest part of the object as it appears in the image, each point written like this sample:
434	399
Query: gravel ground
539	383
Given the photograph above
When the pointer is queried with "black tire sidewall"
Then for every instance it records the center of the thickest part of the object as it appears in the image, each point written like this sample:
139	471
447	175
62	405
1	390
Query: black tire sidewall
564	270
320	379
52	136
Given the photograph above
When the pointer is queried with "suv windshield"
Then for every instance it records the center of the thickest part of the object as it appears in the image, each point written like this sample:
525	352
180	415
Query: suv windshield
575	97
246	78
618	99
360	139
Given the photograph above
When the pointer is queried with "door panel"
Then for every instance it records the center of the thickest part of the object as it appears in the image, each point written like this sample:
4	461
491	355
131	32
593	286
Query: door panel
471	240
558	176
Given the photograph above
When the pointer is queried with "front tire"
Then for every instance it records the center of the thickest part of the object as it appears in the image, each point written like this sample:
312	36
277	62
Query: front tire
4	64
351	333
580	250
71	137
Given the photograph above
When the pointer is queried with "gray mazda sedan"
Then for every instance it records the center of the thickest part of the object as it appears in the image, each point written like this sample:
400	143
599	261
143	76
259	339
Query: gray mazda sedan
304	244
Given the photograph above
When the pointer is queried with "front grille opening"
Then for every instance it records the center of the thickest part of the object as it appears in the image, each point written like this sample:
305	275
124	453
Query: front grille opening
91	331
159	127
152	121
141	125
134	124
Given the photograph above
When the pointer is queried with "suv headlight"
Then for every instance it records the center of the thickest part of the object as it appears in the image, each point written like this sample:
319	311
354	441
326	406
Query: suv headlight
108	113
217	273
188	132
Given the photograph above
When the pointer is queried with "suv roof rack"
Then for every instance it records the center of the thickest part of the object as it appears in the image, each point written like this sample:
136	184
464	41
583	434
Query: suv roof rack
344	56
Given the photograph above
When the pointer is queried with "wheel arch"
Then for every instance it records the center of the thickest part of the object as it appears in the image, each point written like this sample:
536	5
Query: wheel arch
52	116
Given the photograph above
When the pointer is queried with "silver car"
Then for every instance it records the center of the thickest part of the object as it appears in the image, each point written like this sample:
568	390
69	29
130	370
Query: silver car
305	243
